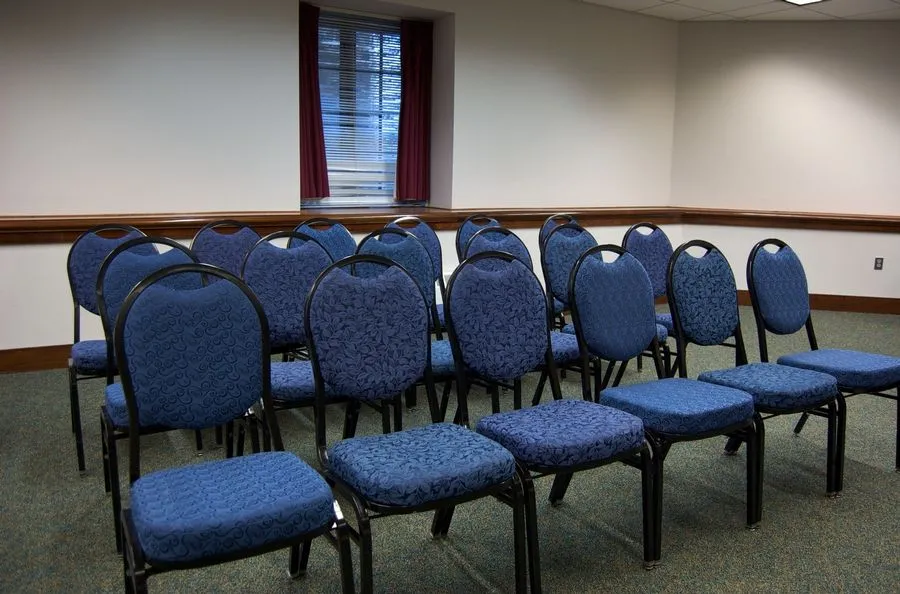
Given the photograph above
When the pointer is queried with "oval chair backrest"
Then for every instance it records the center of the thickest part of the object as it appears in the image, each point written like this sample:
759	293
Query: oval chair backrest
653	250
224	244
497	317
368	336
404	249
778	287
331	234
469	227
191	356
552	223
702	295
281	278
87	255
564	245
612	304
129	264
427	236
498	239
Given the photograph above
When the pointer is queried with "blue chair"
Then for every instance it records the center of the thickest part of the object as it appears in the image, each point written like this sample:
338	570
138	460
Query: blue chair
424	233
194	358
224	244
703	300
560	250
499	325
653	249
614	316
333	236
780	298
498	239
552	222
369	340
88	358
469	227
121	271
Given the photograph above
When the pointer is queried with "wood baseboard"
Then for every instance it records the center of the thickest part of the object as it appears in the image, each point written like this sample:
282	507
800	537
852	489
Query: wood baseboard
56	356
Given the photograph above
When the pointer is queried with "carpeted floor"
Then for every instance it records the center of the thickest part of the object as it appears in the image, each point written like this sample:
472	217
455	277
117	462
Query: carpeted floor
57	531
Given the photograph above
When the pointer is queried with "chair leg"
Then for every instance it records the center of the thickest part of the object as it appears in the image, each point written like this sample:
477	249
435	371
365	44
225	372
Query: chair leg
134	569
229	439
104	440
445	400
732	446
218	435
351	417
198	437
115	489
519	536
650	528
440	524
494	391
342	542
398	411
897	438
659	451
831	466
560	486
411	397
640	363
299	559
799	426
756	444
842	439
531	529
539	390
75	413
385	407
517	394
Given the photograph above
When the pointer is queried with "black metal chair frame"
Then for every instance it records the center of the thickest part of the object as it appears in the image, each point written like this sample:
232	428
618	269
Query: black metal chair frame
216	225
74	376
318	222
136	567
564	218
470	219
510	492
845	391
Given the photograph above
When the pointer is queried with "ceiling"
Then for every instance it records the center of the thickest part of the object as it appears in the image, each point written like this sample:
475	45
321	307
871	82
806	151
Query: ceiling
759	10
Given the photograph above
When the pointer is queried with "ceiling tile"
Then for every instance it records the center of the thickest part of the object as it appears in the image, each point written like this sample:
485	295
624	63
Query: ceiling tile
763	8
792	14
846	8
882	15
722	5
675	12
627	4
717	17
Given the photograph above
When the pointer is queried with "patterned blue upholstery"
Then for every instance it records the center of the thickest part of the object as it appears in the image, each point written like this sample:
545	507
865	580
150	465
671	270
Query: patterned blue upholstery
781	291
130	267
681	406
470	228
293	382
281	279
551	224
653	250
615	306
420	466
89	357
776	386
665	320
558	306
852	369
429	239
370	334
186	353
562	250
568	329
499	242
564	347
116	407
225	250
226	506
408	252
336	239
564	433
705	297
85	258
500	319
442	364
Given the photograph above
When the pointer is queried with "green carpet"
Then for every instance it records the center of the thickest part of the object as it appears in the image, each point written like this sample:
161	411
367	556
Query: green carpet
57	532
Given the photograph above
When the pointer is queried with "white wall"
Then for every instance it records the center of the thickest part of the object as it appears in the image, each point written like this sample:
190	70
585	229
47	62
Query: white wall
789	116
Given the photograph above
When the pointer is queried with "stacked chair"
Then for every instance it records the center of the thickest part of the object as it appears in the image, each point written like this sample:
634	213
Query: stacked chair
553	221
469	227
331	234
224	244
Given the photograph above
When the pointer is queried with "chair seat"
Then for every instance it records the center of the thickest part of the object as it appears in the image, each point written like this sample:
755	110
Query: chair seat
680	406
565	347
420	466
116	407
89	357
222	507
293	382
564	433
665	320
854	370
776	386
442	364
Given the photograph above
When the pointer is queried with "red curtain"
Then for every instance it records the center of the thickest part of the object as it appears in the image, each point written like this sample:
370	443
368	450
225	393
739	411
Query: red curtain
414	141
313	166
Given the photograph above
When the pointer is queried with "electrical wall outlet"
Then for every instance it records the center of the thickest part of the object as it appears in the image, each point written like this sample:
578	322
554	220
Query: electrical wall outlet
879	263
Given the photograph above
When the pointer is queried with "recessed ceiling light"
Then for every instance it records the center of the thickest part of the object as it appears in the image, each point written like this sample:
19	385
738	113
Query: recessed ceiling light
803	2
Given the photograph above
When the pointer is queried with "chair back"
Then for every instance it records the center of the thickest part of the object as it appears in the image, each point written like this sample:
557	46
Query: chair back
368	335
333	236
192	355
281	278
471	225
405	249
552	222
497	317
778	289
559	252
612	304
652	249
425	234
87	255
224	244
498	239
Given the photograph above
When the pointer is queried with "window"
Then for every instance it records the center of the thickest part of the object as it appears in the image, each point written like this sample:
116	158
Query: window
359	80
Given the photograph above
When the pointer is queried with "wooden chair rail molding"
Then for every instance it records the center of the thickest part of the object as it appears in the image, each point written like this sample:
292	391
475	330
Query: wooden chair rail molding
42	229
